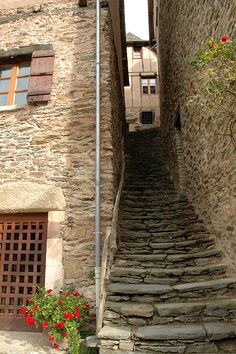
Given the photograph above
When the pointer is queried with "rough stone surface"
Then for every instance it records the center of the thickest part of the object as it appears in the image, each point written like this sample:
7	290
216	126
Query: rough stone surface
184	280
189	331
115	332
209	158
132	309
219	331
54	144
25	343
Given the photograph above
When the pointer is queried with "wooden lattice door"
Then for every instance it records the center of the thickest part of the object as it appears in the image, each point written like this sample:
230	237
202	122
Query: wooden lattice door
22	264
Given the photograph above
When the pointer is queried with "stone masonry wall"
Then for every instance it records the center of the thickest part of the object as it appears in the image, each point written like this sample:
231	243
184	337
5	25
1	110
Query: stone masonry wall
55	143
209	158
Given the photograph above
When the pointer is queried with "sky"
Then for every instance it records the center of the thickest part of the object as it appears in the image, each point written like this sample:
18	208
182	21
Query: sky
136	18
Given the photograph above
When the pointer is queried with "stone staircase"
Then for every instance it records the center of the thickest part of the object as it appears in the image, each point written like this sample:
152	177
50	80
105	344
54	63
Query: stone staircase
168	290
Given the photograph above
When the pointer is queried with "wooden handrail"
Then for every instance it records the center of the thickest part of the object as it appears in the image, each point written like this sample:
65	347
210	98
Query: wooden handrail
109	250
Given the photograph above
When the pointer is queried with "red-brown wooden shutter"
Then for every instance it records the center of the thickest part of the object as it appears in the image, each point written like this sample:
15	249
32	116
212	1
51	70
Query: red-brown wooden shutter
41	76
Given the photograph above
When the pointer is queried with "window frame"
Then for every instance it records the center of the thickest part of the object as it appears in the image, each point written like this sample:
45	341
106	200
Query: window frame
151	113
138	50
148	86
13	80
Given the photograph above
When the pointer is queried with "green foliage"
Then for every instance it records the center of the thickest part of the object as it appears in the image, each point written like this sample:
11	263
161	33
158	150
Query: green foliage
145	275
214	88
61	313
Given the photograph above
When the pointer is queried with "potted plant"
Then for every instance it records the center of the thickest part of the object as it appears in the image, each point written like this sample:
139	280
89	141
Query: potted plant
61	313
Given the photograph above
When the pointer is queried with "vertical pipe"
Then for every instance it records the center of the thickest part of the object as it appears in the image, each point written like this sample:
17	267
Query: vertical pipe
98	178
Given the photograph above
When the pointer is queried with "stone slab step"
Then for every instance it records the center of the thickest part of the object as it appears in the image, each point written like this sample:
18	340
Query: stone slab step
155	289
172	258
171	246
207	308
195	331
171	272
163	236
131	309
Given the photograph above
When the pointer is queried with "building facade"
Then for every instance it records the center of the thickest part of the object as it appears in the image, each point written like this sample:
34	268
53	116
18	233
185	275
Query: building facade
142	94
47	159
201	161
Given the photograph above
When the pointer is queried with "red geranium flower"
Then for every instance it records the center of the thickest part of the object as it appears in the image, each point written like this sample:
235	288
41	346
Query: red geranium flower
27	298
55	345
65	334
22	311
86	306
30	320
68	315
49	291
76	293
36	308
45	324
51	338
60	325
67	293
77	314
59	302
224	38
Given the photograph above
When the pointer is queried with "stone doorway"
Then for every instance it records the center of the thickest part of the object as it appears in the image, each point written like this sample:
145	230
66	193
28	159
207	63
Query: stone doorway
23	240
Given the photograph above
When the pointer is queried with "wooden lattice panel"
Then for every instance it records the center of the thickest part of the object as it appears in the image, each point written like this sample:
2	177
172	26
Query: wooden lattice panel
22	261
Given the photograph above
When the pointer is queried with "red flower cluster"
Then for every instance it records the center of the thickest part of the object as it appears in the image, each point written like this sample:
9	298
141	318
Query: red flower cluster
76	312
30	320
60	325
68	315
224	38
69	309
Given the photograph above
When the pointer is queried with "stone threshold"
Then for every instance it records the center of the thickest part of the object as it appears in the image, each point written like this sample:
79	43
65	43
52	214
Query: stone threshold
12	342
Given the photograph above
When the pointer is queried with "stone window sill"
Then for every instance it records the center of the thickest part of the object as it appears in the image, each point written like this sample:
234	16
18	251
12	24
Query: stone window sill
11	108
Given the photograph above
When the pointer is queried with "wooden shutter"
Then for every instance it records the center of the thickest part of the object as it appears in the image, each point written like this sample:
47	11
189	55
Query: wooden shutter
41	76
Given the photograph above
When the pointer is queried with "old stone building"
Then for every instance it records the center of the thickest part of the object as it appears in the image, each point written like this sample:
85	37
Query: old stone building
201	160
47	160
142	95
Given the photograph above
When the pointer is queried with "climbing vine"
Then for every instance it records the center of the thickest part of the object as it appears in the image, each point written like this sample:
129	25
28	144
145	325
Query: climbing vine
214	88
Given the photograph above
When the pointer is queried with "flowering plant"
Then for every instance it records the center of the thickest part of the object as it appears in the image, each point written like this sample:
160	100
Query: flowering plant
214	85
60	313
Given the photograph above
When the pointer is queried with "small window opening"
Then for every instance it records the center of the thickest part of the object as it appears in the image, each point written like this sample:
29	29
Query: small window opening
147	118
137	53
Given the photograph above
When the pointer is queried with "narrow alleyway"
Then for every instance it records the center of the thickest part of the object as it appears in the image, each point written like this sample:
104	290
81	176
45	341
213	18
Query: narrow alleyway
168	291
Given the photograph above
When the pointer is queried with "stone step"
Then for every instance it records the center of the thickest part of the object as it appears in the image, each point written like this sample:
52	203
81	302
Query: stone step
183	291
165	276
167	247
154	313
222	307
168	272
158	333
162	236
167	259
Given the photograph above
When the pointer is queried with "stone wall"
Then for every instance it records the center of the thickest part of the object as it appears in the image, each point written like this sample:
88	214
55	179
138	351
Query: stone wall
54	144
209	158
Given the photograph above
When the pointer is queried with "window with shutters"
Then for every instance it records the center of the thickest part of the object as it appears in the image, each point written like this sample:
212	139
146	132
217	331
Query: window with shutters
30	80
